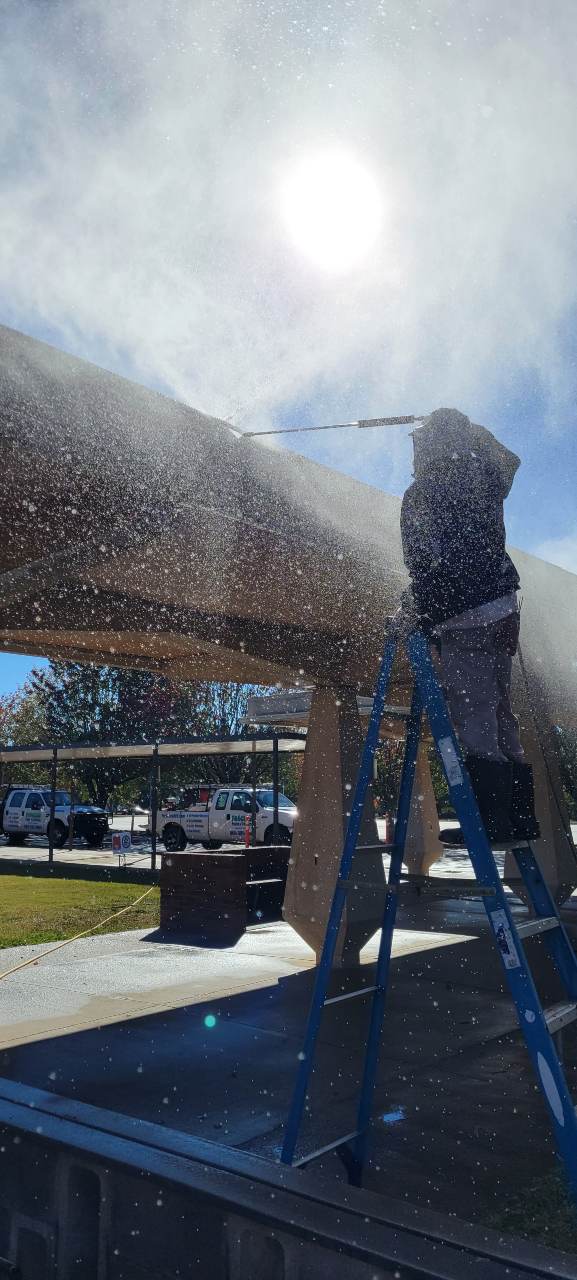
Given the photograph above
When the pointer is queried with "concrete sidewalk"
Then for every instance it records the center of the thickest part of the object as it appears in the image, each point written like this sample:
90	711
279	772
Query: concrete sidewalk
112	977
121	1022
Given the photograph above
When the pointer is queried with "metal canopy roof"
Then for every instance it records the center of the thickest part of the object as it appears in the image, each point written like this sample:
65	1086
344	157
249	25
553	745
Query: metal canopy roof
261	744
292	707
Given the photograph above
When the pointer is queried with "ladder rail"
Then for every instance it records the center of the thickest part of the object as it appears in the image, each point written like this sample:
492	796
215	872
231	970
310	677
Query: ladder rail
520	981
538	1025
556	941
336	911
386	940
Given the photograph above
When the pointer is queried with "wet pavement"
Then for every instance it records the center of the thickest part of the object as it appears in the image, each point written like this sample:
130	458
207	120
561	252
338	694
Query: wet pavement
208	1041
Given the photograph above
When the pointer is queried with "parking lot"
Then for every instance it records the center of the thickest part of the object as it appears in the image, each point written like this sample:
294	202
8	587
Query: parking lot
454	862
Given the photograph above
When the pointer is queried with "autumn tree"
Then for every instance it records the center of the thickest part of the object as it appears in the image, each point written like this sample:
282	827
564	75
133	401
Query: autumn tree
22	723
72	702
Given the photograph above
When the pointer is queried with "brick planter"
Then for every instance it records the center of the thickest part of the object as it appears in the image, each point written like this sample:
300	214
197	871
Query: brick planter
211	897
203	895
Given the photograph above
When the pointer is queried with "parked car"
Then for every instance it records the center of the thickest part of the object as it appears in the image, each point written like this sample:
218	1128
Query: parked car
25	811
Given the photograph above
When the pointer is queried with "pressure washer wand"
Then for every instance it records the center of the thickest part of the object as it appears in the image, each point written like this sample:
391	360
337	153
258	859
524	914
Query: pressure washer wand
361	423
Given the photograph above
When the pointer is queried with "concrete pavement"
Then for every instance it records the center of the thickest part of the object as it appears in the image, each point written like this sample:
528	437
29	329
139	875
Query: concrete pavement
113	977
208	1041
454	862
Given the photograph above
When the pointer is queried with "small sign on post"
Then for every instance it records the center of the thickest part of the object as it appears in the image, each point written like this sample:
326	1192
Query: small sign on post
121	844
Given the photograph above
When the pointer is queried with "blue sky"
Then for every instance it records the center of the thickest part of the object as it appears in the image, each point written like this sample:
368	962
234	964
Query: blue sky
15	669
143	223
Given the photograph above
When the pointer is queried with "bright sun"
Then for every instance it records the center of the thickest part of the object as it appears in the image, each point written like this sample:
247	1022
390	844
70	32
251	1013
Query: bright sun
332	209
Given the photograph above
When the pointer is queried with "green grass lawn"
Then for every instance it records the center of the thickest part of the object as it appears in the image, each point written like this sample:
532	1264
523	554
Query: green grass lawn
34	909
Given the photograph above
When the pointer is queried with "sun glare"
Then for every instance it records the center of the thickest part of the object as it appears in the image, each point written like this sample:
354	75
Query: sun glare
332	209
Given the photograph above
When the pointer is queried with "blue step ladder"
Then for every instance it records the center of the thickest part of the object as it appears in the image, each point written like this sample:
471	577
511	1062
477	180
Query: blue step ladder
538	1025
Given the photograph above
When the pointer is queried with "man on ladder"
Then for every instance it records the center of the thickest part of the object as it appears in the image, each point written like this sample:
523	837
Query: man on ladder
456	572
464	596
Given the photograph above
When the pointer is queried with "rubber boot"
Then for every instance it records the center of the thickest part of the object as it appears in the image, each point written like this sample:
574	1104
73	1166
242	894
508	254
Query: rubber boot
523	820
492	782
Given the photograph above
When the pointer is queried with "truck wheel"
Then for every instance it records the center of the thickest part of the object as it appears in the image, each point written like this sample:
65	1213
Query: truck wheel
94	836
60	835
16	837
211	844
284	836
173	838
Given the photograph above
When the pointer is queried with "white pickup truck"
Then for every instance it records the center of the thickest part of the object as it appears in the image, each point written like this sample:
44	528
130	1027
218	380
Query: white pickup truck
215	816
25	811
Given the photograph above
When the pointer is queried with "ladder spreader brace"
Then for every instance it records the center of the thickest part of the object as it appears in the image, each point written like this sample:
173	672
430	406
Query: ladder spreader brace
537	1024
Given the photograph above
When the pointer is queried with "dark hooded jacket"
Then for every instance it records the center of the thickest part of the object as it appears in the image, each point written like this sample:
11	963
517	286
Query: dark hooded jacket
452	523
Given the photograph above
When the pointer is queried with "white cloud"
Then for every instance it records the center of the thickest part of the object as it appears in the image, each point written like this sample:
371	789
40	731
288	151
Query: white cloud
561	551
143	146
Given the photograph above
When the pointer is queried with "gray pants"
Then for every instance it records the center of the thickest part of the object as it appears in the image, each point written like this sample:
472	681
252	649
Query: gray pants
476	675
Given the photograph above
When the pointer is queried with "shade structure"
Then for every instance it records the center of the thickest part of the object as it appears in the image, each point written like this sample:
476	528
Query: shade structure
260	745
142	533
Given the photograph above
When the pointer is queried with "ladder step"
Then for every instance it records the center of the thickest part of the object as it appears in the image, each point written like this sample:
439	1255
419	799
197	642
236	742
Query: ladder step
321	1151
351	883
445	886
350	995
428	698
541	925
560	1015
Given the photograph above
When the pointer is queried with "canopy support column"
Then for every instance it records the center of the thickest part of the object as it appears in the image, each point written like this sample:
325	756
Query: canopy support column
275	763
154	804
53	772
